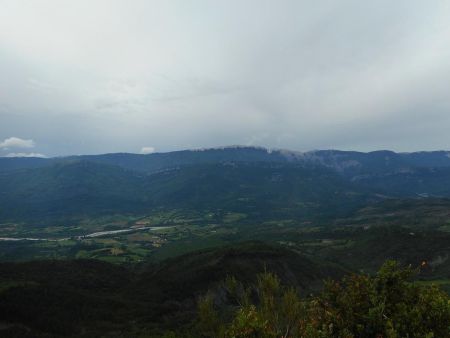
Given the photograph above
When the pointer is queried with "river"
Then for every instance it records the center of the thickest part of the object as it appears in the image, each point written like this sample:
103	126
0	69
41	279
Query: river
92	235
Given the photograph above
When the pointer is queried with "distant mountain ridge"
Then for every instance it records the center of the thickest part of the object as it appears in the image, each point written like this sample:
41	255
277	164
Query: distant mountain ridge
346	162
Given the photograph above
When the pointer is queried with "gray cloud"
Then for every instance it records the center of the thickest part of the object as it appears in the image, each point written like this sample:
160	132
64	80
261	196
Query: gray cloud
105	76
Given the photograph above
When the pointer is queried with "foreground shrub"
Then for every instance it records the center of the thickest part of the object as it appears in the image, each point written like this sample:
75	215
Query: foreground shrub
387	305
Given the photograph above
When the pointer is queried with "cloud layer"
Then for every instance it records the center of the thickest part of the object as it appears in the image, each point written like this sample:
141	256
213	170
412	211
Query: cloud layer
108	76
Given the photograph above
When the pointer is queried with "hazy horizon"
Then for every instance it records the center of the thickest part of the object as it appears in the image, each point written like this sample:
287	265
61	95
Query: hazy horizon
94	77
268	149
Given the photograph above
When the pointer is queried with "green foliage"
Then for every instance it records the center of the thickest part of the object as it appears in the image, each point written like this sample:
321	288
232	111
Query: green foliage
208	323
276	313
386	305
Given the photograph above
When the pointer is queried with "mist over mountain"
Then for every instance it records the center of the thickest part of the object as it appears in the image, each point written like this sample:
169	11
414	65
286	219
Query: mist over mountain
347	162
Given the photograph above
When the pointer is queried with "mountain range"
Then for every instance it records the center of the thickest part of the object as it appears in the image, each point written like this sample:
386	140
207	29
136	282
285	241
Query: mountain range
213	213
346	162
257	181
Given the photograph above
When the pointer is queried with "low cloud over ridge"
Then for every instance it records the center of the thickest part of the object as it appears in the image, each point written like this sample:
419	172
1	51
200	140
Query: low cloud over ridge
16	142
25	155
147	150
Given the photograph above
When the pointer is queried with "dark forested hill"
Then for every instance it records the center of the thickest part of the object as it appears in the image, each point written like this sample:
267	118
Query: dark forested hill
84	298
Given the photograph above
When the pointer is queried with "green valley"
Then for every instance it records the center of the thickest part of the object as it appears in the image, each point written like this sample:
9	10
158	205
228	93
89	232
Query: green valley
134	249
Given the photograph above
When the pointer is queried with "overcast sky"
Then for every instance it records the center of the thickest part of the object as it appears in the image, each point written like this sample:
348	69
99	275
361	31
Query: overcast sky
111	76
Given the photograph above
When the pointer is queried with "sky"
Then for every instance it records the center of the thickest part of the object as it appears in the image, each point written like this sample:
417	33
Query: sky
100	76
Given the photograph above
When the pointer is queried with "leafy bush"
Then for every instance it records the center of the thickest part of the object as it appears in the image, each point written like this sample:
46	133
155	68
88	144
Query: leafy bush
387	305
